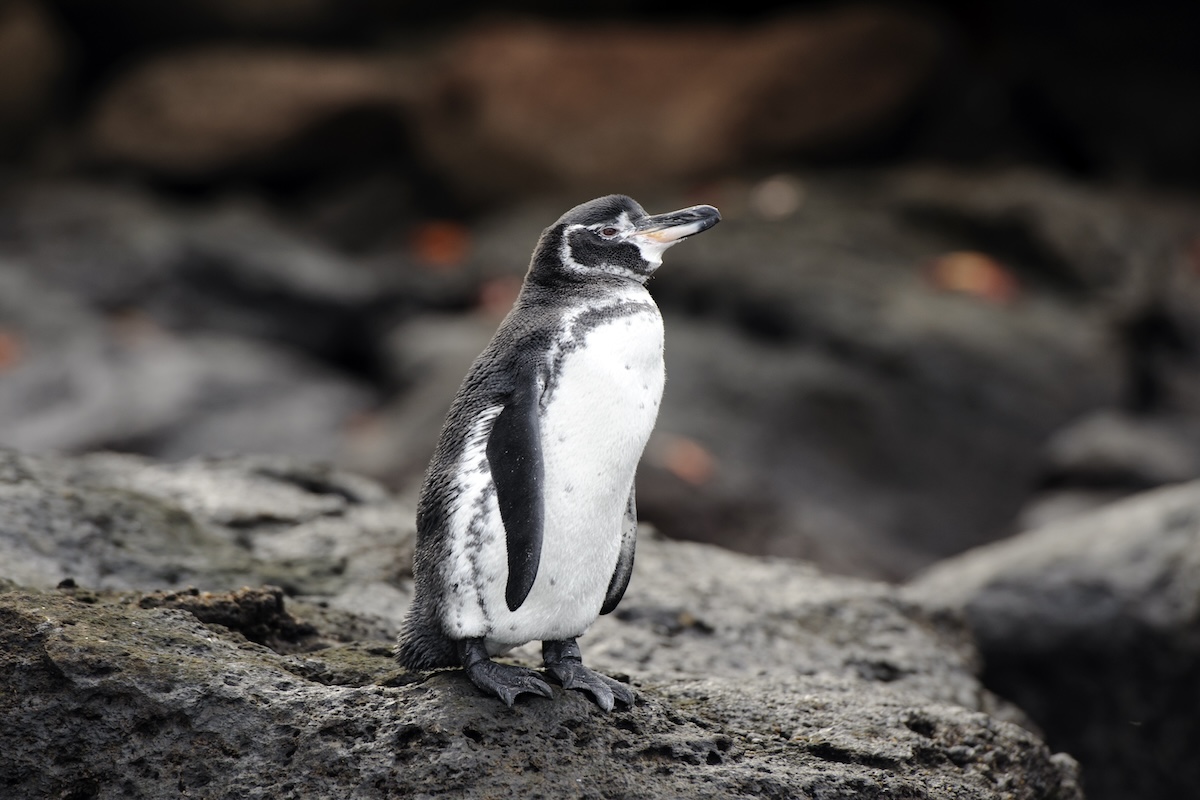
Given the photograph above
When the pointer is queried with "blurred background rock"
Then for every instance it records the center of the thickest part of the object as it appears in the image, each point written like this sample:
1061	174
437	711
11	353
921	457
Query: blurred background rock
957	292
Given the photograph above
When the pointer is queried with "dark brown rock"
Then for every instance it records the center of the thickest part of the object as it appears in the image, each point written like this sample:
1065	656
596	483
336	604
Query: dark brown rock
32	59
507	109
515	107
140	24
194	112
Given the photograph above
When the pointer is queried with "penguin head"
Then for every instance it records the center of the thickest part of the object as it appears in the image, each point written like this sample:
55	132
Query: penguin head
614	236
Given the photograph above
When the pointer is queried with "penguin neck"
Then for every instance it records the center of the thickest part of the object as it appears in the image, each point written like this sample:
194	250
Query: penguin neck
547	271
554	287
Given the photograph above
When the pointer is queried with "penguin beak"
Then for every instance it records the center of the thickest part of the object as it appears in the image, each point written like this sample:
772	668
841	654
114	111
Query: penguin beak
665	230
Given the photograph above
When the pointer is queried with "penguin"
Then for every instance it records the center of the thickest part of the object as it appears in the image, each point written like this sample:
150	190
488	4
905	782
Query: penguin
527	521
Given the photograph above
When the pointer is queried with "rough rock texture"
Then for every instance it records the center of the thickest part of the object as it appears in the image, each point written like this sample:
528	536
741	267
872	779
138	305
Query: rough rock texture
121	522
1092	625
756	678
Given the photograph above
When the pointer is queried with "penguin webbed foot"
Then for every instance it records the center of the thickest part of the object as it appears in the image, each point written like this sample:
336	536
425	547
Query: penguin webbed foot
506	681
564	662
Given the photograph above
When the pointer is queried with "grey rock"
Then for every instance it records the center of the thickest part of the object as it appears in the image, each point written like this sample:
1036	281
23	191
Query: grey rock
1054	505
816	360
139	387
1111	449
106	245
1121	245
86	377
45	319
755	677
1110	455
122	522
230	267
139	702
1090	625
701	611
427	357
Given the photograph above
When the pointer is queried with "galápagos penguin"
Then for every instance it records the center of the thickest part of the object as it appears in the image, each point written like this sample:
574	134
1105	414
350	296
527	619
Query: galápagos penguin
526	521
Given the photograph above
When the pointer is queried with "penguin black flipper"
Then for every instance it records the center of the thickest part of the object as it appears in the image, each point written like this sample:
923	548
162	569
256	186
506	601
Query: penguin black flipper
514	453
620	578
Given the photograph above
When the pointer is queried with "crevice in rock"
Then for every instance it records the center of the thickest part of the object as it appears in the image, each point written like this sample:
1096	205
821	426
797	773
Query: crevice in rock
256	613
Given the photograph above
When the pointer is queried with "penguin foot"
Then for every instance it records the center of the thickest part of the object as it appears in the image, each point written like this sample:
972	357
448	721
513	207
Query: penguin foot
564	662
505	681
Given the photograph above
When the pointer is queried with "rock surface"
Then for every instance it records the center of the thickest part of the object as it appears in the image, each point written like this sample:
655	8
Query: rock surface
31	62
1110	95
756	678
910	336
1092	625
515	107
212	110
136	327
111	521
507	109
917	337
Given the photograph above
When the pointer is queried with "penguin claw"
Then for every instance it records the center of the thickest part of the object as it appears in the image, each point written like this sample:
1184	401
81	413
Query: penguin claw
506	681
565	663
603	689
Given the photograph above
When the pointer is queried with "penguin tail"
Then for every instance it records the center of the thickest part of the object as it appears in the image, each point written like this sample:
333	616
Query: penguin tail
423	645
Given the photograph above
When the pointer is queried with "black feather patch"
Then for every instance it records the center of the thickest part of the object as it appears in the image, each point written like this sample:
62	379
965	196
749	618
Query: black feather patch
620	578
514	452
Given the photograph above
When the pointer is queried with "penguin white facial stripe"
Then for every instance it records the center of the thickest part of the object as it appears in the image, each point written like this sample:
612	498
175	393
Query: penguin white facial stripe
569	261
652	251
565	254
623	227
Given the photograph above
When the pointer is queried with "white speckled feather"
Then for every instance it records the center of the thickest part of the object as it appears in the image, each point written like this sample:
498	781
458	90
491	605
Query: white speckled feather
596	415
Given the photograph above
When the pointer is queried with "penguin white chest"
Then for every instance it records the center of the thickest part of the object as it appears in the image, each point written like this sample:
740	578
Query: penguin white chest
598	411
600	391
598	415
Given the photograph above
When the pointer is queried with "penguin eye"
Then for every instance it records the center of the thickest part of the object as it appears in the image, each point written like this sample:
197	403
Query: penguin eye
609	232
